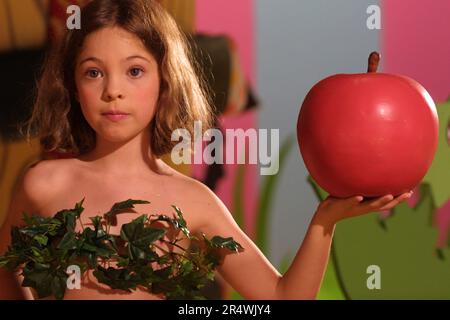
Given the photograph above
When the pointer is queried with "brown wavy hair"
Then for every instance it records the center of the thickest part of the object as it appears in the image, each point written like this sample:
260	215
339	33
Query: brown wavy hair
57	118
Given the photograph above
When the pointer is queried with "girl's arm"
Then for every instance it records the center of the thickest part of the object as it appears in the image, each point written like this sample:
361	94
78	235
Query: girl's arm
252	275
28	191
11	288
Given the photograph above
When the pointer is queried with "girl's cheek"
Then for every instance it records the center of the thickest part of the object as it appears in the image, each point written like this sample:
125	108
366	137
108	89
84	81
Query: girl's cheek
89	94
148	91
87	106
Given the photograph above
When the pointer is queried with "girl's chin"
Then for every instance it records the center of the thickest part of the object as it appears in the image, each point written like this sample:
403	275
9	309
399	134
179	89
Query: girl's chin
116	137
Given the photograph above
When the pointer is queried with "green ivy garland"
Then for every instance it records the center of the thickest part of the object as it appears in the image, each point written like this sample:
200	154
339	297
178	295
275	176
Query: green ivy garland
46	247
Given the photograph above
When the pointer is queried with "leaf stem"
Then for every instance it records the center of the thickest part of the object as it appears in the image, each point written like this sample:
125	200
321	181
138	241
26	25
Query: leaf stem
373	61
174	244
81	223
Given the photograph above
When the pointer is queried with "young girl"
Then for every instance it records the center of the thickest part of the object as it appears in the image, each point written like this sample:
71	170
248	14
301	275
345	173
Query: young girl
112	94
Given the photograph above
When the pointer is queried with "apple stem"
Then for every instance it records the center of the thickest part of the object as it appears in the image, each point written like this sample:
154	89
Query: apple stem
374	59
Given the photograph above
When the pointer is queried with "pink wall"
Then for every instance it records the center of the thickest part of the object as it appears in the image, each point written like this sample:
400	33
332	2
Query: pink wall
231	17
416	42
235	19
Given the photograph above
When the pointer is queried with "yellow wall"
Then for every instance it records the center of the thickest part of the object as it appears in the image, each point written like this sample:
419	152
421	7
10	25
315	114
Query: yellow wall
29	28
14	158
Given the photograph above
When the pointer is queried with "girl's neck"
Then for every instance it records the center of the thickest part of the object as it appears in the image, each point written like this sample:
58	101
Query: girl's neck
129	158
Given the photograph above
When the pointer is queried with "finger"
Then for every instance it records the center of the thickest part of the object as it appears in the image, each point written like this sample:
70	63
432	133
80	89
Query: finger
356	199
396	201
349	201
353	201
378	203
403	197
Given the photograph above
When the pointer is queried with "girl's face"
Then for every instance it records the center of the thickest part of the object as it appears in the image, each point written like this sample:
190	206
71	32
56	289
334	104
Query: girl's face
117	82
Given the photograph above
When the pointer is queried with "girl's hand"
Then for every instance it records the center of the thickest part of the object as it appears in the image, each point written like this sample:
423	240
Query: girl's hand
333	210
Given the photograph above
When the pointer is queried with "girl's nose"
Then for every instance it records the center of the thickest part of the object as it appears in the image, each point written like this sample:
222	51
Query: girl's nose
113	96
113	90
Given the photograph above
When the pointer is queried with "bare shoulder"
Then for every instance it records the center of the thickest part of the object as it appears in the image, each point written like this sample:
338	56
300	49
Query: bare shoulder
192	189
41	182
34	189
200	199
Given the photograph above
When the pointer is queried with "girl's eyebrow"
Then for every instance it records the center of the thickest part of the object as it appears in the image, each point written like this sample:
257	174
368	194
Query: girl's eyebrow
101	62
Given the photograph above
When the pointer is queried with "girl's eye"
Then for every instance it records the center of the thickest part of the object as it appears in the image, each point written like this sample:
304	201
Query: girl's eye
92	73
135	72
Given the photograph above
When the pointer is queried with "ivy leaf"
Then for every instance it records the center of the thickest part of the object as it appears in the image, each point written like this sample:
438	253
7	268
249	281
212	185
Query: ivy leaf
180	222
39	277
68	242
59	284
123	262
41	239
165	287
45	280
123	205
27	218
79	208
228	243
40	225
164	273
163	282
117	278
116	242
20	241
96	221
67	218
186	266
4	260
98	227
37	254
10	261
99	249
92	247
140	238
110	216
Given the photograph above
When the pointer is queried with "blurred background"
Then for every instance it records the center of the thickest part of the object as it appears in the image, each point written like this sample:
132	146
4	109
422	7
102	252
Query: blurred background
262	58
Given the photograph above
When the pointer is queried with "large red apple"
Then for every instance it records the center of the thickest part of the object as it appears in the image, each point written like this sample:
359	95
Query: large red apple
367	134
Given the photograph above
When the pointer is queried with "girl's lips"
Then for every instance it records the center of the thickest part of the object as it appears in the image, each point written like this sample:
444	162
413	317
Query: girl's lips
115	116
